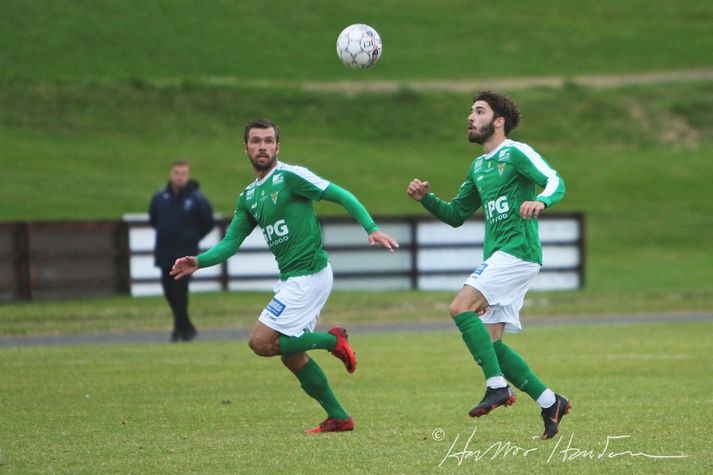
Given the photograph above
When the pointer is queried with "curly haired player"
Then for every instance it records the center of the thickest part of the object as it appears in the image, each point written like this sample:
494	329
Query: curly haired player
503	182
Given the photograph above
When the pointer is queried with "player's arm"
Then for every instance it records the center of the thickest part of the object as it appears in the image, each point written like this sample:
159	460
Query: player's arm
454	212
307	184
240	227
337	194
533	166
349	202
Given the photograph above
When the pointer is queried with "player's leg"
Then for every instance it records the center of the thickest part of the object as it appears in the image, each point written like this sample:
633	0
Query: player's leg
314	383
263	340
518	372
280	329
515	368
286	327
294	312
464	309
335	340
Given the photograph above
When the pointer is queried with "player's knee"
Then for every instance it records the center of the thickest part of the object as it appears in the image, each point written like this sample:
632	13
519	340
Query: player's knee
459	306
456	308
262	347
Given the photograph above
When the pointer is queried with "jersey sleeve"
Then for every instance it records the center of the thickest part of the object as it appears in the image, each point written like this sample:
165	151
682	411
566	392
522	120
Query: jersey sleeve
349	202
240	227
455	212
533	166
305	183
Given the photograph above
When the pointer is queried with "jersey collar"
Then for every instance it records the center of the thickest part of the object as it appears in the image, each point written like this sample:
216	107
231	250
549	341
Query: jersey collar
504	143
264	179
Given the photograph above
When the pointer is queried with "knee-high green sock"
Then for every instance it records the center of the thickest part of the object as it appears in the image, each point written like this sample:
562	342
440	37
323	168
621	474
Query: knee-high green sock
290	345
517	372
477	339
315	384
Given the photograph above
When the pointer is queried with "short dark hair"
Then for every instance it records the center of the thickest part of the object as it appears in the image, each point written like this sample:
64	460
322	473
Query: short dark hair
502	106
261	124
179	163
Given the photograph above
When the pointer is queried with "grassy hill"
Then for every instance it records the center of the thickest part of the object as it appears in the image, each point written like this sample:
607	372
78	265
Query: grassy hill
634	159
96	99
295	40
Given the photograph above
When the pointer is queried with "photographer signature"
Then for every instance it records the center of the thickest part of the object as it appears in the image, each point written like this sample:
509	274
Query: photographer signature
558	453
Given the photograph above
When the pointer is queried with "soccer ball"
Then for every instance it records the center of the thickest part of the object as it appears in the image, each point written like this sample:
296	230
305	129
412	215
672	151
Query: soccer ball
359	46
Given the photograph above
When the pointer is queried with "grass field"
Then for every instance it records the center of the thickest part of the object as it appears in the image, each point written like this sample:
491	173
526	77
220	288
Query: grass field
296	40
97	97
214	407
635	159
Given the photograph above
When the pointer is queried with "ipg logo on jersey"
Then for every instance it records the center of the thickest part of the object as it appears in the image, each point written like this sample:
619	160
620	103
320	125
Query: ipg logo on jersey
497	209
276	233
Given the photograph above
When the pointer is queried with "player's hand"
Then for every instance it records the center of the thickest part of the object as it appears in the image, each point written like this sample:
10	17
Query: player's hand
384	239
417	189
531	208
184	266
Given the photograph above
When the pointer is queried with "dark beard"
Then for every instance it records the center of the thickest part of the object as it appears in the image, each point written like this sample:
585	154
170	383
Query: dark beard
260	167
483	134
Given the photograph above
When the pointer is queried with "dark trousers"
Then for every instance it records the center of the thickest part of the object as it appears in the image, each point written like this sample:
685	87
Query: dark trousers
176	293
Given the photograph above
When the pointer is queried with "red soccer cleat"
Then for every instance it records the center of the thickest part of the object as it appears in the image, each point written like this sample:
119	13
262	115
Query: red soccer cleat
343	351
332	425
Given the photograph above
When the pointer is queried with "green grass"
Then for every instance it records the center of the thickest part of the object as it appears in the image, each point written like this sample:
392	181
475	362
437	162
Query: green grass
96	98
295	40
214	407
240	310
635	159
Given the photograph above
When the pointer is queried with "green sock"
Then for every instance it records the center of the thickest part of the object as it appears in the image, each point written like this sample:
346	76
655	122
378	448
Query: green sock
290	345
314	382
477	339
517	372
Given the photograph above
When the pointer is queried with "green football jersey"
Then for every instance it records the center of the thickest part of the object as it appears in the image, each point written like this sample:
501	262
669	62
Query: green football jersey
500	182
281	204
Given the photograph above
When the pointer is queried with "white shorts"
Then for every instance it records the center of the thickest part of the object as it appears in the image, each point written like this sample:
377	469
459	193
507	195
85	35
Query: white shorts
503	280
297	302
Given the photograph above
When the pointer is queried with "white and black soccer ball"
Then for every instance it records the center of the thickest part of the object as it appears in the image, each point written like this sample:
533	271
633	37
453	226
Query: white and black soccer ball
359	46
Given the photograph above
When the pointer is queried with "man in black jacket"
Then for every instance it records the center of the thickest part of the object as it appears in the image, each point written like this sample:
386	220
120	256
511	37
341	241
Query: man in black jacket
181	216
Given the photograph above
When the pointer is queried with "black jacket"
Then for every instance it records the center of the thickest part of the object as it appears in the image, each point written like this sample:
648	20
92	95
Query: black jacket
181	220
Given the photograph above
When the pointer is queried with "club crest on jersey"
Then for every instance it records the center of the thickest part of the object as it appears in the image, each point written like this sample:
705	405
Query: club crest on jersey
274	197
478	164
277	178
250	193
501	168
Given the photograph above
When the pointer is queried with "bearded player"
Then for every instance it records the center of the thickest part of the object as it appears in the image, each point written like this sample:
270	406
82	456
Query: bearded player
503	182
280	202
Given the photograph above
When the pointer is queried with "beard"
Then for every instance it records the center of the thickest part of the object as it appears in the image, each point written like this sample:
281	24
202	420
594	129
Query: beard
261	167
482	134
